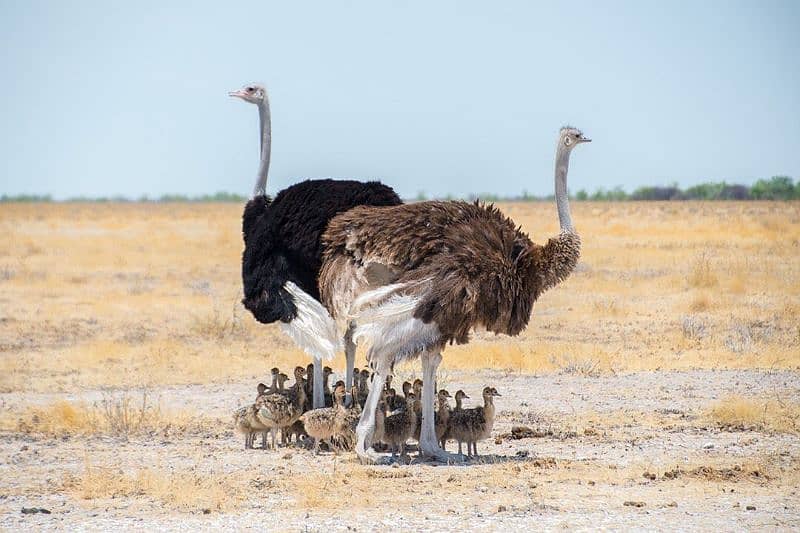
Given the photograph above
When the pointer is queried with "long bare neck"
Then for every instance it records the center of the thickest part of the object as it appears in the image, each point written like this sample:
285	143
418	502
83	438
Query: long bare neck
562	200
266	146
488	401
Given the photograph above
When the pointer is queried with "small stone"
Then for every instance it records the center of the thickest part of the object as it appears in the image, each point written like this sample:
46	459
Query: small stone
206	511
649	475
501	509
708	446
631	503
750	508
672	504
35	510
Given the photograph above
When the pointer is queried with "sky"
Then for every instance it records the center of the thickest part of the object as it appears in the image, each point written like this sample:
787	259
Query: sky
446	97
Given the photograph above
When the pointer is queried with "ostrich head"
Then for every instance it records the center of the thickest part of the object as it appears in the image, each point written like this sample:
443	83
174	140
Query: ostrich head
253	93
571	137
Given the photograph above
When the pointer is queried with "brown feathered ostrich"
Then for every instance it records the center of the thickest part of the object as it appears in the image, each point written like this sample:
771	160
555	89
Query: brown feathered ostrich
416	277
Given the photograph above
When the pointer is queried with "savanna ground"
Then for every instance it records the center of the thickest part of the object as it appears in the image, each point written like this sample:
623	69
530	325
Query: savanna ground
660	381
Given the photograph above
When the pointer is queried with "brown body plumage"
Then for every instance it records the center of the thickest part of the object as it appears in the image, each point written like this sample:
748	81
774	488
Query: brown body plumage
327	422
399	427
246	422
281	409
442	417
469	264
473	425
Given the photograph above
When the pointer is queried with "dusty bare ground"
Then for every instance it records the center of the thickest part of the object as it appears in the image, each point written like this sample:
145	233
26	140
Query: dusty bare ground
634	450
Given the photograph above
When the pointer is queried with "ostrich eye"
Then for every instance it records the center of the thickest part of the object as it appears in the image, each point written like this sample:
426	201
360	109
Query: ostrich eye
250	89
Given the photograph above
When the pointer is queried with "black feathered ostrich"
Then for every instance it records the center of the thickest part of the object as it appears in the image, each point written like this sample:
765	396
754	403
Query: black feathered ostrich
416	277
283	254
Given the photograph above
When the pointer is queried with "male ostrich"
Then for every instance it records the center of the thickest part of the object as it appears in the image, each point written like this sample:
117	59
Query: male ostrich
283	255
416	277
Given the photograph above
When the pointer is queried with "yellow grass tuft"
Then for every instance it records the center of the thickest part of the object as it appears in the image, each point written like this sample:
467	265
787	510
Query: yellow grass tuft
186	491
762	415
121	415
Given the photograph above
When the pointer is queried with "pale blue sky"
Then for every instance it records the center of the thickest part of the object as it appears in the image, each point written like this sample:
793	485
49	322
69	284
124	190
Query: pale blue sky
102	98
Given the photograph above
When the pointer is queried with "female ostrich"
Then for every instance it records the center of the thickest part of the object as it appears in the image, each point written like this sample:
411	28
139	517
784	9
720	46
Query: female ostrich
416	277
283	255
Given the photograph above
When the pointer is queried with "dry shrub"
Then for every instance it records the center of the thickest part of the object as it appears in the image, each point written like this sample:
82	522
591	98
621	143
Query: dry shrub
739	413
122	415
744	334
701	273
185	491
578	366
218	327
607	307
694	327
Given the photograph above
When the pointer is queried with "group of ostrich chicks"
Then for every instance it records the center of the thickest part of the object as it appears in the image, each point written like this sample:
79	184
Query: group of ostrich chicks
398	417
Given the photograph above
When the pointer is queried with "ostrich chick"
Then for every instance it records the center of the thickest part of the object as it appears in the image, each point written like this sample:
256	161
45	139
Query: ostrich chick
472	425
442	417
327	422
399	427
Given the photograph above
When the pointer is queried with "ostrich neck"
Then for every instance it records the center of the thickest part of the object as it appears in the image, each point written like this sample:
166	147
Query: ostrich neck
562	201
266	145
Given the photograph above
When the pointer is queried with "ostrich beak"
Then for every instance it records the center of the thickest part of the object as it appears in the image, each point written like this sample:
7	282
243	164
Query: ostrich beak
237	94
585	140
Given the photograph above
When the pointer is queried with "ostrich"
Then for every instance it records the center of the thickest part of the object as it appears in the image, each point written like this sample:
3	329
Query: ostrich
283	255
416	277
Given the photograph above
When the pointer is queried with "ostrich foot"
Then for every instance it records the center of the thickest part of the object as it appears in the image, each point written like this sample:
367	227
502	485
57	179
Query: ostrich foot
436	453
371	457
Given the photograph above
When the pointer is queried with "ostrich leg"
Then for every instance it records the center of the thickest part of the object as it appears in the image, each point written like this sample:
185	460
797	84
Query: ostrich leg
427	441
350	358
366	426
319	391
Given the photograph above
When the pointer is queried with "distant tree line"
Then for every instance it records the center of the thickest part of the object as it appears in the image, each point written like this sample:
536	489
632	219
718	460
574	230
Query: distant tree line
774	188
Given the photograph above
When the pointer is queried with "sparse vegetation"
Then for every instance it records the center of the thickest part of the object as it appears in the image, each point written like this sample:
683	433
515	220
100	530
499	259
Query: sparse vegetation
120	415
768	415
92	299
103	301
189	490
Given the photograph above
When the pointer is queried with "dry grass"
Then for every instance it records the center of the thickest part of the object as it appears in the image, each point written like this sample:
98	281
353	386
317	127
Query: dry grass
146	295
701	273
185	491
121	415
756	414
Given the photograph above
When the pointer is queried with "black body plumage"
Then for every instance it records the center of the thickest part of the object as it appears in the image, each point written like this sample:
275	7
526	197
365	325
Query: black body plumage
282	240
